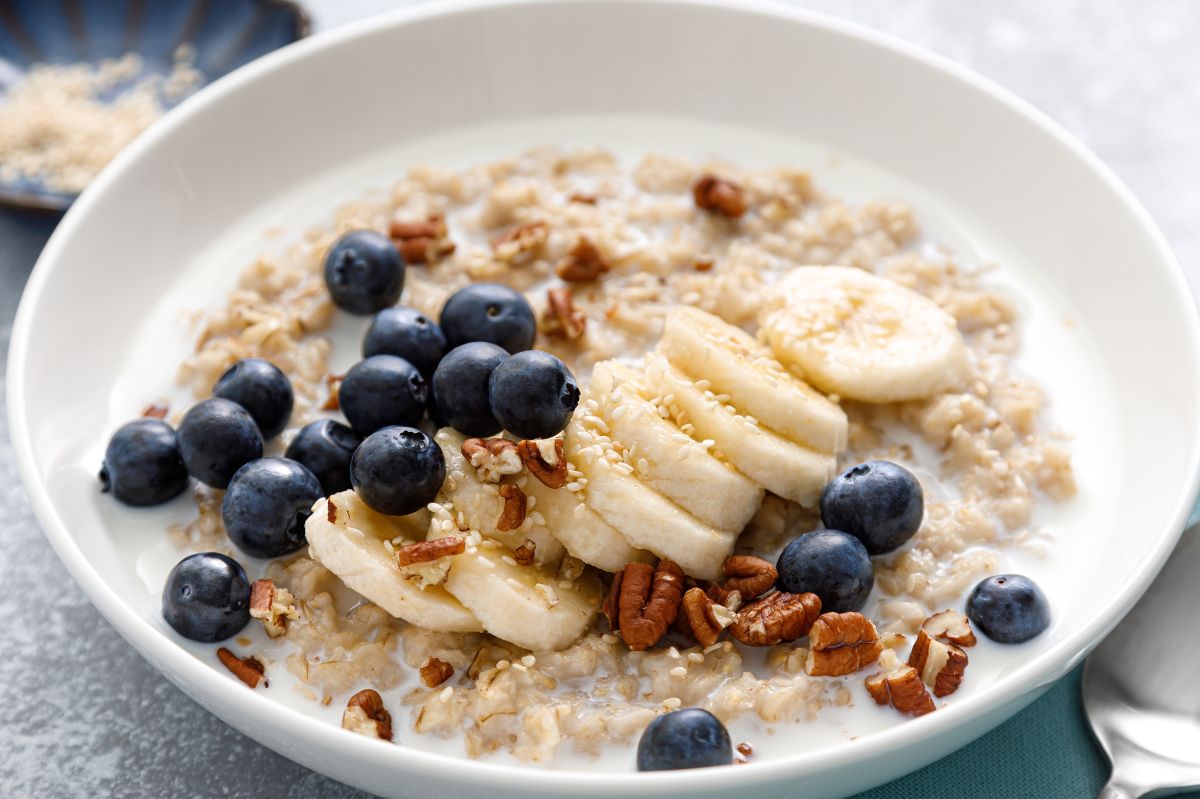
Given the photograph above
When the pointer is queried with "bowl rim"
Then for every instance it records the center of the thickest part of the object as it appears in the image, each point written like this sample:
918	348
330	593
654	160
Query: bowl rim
213	689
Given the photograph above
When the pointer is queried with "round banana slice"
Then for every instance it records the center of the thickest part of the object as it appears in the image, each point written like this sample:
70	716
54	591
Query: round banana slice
348	539
863	337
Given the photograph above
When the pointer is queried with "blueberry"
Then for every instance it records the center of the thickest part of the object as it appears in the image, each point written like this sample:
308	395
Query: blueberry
880	503
207	597
380	391
460	388
1009	608
533	394
398	470
325	447
364	272
266	505
688	738
142	465
831	564
489	312
407	333
261	388
216	438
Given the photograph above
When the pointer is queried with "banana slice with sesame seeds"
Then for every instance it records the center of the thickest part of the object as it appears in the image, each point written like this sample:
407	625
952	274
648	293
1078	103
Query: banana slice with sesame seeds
863	337
359	546
730	361
781	466
678	467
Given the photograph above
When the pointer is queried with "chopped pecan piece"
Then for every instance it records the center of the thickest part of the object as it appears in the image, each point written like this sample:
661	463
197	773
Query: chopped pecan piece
422	242
719	195
776	618
900	686
366	715
156	410
544	459
493	458
513	512
940	665
524	554
521	244
562	317
272	606
703	265
249	670
334	384
730	599
644	601
426	551
749	576
584	262
705	618
435	672
331	511
950	626
841	643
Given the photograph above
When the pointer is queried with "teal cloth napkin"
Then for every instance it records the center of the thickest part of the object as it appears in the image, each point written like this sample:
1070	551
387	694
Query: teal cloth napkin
1044	752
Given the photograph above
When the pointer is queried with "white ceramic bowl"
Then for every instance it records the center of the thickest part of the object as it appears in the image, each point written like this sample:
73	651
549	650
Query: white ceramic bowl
1111	328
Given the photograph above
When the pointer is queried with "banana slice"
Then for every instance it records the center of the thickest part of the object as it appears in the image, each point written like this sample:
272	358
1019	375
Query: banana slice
529	606
782	467
582	531
676	466
646	518
864	337
352	547
703	346
481	505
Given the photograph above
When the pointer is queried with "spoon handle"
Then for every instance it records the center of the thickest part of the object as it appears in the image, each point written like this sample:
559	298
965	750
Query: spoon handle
1119	790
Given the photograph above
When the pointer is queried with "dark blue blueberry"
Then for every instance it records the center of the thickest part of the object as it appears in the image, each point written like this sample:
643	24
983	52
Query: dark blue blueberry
407	333
364	272
489	312
880	503
207	597
1009	608
831	564
325	447
688	738
142	465
398	470
460	388
533	394
266	505
380	391
261	388
216	438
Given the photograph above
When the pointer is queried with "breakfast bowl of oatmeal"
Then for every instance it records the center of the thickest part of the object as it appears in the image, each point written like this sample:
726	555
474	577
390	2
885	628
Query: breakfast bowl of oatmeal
564	416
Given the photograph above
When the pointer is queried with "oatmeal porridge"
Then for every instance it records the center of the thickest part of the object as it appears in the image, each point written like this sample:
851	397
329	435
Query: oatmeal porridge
795	440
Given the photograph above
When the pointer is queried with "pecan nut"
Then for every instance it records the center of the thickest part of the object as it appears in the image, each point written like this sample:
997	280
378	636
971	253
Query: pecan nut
249	670
366	715
435	671
841	643
524	554
562	317
644	601
950	626
493	458
272	606
750	576
421	242
521	245
156	410
544	459
776	618
719	195
940	665
426	551
704	618
900	686
515	507
584	262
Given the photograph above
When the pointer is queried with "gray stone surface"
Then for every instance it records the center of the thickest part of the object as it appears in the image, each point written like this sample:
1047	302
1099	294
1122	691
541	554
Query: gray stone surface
82	715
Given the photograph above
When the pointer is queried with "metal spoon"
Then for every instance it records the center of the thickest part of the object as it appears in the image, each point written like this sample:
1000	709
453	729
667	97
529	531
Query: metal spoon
1141	688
